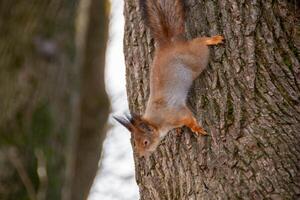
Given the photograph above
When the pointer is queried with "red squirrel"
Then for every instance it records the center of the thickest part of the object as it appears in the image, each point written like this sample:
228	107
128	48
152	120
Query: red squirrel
177	63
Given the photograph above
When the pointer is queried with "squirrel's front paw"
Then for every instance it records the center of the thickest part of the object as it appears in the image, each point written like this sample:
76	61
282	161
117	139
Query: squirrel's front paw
199	130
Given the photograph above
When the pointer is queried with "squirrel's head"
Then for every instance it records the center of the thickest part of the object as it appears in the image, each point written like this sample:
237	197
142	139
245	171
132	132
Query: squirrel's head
145	135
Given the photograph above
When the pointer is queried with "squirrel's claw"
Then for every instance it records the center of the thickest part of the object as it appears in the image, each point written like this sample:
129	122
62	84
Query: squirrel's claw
218	39
199	130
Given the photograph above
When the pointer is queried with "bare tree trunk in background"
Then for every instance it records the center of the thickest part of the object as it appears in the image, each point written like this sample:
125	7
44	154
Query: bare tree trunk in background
248	100
93	105
50	95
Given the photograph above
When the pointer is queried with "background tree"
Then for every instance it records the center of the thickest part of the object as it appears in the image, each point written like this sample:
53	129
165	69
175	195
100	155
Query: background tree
248	100
53	103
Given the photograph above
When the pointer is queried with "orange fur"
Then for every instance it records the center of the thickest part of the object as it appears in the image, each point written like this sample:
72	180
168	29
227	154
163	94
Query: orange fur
165	19
177	62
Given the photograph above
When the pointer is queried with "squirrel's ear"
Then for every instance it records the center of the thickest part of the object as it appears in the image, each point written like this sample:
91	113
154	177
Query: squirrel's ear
125	122
136	119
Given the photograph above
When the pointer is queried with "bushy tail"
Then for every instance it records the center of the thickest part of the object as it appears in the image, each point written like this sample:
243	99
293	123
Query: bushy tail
165	19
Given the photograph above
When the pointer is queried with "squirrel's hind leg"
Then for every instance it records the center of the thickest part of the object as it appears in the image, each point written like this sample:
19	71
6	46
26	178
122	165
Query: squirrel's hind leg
214	40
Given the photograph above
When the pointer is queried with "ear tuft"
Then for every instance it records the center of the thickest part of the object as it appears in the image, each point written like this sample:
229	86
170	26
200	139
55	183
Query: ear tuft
126	122
136	119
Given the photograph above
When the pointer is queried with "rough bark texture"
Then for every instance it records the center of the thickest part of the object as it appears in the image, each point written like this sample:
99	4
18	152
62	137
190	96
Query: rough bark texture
248	100
50	94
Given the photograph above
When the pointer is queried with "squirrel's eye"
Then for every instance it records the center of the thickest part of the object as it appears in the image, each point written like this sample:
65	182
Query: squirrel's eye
146	142
149	129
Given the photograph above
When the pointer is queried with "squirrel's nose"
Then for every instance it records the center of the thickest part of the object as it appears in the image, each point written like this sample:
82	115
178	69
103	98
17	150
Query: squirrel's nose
145	155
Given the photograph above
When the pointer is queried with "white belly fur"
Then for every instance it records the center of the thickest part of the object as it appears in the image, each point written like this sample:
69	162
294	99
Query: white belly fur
177	88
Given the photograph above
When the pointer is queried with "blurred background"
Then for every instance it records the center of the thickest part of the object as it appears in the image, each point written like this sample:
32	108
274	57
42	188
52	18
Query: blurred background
115	179
57	99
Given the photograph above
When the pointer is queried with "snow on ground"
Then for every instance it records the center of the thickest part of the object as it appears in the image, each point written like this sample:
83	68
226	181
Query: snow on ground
115	179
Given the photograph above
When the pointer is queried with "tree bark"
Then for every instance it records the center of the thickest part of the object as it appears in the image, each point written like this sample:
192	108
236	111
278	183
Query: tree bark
248	100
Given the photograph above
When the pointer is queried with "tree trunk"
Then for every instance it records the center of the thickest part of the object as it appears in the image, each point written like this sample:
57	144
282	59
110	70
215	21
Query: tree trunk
248	100
93	103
